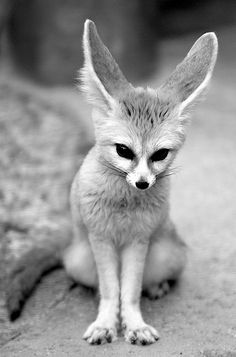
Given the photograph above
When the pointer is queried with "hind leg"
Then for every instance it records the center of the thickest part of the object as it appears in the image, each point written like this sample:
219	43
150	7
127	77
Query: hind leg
79	263
165	261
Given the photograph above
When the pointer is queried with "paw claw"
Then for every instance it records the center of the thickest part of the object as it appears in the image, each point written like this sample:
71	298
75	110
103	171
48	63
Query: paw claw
97	335
142	336
108	337
133	340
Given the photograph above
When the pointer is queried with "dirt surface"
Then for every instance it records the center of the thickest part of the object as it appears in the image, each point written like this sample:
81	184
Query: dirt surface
42	140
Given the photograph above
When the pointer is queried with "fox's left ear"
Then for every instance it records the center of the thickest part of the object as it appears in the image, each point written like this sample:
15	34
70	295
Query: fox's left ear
102	79
193	74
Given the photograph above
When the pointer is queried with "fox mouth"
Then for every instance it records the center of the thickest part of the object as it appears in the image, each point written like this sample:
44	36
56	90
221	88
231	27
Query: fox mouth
144	185
140	185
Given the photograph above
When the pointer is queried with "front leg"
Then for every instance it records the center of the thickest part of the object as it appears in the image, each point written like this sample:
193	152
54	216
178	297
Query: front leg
103	329
132	267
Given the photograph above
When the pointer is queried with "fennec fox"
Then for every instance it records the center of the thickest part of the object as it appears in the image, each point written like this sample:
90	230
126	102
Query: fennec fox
124	240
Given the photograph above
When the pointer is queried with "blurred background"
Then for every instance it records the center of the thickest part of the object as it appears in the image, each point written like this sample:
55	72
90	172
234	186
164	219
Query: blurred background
43	38
45	130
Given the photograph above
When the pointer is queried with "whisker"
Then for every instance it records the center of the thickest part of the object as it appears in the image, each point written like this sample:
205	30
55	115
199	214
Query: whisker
114	169
169	172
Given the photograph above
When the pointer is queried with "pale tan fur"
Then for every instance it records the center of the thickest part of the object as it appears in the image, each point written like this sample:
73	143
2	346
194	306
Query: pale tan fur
124	240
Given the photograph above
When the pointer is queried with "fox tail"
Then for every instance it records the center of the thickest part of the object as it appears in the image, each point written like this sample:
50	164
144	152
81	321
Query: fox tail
29	269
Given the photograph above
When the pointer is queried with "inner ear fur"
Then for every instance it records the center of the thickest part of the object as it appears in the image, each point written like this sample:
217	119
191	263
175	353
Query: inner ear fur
102	78
193	74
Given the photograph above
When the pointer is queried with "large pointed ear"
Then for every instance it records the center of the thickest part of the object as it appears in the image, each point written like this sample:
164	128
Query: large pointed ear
102	79
193	74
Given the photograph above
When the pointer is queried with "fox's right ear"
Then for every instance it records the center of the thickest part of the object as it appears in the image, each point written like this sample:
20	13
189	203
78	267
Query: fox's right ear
101	77
192	75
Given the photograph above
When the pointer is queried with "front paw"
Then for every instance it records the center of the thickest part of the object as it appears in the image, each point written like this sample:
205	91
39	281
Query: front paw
145	335
97	334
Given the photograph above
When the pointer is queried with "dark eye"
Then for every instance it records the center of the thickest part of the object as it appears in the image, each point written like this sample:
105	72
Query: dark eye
124	151
159	155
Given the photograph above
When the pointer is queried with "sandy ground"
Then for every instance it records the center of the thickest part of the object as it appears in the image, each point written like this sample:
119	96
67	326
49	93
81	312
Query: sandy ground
42	138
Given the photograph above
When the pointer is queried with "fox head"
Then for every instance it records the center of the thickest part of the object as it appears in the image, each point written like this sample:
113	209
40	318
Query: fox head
139	131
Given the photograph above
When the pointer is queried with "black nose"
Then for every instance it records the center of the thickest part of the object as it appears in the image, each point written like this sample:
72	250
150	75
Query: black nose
142	185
